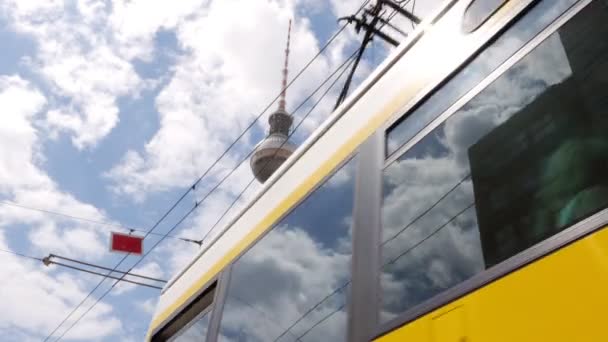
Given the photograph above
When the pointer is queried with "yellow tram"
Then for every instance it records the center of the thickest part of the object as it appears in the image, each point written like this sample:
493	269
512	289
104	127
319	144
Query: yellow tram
459	194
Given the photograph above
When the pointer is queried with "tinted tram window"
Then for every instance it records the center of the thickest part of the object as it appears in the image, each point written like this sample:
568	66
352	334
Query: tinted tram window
194	332
542	15
521	161
291	285
192	322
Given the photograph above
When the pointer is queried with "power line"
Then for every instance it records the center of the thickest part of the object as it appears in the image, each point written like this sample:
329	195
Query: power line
384	243
430	235
321	320
338	289
88	220
82	301
435	231
191	188
188	214
20	254
48	259
427	210
108	276
197	181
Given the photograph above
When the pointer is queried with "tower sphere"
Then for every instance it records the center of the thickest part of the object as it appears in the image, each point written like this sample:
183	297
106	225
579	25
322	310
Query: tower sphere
271	152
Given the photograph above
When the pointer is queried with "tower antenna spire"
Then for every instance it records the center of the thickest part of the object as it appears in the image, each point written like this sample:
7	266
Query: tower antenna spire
285	69
271	152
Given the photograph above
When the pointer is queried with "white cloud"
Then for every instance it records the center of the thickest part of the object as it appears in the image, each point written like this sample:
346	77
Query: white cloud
20	103
28	285
76	58
148	306
53	292
218	86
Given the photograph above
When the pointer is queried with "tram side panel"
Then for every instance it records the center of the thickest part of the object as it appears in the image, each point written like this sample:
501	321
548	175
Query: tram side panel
539	180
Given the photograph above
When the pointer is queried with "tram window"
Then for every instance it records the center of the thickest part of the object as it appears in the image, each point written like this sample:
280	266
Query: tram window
196	331
478	12
192	323
521	161
291	285
493	56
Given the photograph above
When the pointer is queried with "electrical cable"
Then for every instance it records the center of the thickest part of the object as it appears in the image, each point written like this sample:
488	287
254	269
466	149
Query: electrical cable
193	186
82	301
385	242
338	289
103	268
194	208
108	276
413	8
321	321
84	219
427	210
430	235
435	231
20	254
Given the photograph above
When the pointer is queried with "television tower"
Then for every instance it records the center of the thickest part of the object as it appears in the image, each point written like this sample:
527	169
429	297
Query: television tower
271	152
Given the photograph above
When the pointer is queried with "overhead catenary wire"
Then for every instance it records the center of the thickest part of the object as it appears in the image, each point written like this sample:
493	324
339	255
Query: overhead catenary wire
23	255
197	204
193	186
83	301
89	220
76	268
103	268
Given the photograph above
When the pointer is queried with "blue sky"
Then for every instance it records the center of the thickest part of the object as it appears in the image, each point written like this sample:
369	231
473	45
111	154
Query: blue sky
110	110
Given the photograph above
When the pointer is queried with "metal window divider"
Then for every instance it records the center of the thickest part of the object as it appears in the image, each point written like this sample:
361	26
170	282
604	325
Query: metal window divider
363	303
218	304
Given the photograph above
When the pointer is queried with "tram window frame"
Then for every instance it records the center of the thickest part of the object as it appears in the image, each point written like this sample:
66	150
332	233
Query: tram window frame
591	223
203	305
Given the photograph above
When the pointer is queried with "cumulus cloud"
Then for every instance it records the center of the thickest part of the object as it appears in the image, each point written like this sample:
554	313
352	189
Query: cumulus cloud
52	294
75	55
22	180
216	88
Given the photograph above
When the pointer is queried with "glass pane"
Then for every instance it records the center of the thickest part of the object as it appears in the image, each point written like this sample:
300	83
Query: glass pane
194	332
520	162
542	15
478	12
291	286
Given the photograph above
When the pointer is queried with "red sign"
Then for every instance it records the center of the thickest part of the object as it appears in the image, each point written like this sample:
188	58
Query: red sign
127	243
